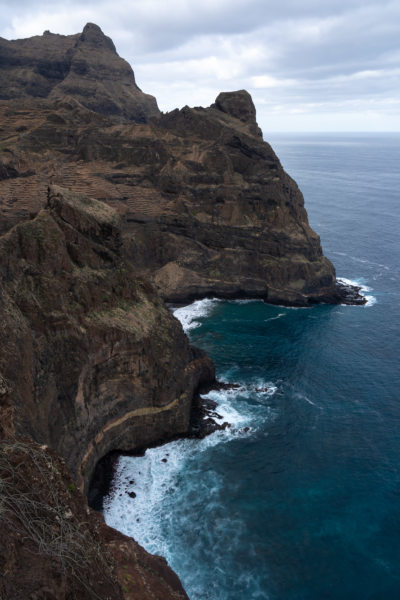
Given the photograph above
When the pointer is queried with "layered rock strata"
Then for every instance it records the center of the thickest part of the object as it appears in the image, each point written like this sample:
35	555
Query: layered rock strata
84	66
92	360
193	201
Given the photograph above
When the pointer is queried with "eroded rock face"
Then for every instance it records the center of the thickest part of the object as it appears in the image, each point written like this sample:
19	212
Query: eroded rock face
206	204
83	66
207	208
239	105
93	361
90	361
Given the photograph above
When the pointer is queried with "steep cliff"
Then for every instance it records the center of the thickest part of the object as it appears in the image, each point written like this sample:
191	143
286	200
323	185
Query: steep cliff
84	66
208	208
90	361
193	201
93	360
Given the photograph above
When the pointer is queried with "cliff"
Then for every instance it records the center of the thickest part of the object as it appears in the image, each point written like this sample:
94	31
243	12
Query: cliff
90	361
84	66
189	203
207	206
93	360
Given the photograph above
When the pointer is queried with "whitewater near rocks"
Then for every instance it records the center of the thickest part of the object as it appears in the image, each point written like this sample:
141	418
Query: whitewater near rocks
279	511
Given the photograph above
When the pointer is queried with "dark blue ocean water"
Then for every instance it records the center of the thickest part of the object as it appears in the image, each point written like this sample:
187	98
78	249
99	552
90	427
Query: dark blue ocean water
306	503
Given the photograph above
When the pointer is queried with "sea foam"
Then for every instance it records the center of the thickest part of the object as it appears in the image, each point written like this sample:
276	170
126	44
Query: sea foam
371	300
190	316
144	487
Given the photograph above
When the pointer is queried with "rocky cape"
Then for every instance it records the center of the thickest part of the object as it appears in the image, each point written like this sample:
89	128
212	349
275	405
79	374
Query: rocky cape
207	207
108	208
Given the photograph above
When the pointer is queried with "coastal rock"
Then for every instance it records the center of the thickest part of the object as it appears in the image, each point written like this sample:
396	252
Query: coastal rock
190	203
239	105
54	546
94	360
90	361
207	207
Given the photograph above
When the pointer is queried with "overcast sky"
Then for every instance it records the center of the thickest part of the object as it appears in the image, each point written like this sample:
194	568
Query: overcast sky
310	65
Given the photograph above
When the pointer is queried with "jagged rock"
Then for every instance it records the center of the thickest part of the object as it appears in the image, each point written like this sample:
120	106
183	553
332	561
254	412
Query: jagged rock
239	105
94	360
90	360
84	66
207	206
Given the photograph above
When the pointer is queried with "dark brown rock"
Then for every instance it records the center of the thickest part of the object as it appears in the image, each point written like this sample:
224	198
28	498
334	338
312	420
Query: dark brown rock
241	106
83	66
90	360
208	209
93	360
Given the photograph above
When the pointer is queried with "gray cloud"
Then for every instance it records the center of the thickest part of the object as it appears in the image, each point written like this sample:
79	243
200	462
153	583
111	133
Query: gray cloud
334	62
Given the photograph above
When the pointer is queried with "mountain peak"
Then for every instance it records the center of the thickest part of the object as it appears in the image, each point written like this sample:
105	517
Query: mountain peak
93	35
238	104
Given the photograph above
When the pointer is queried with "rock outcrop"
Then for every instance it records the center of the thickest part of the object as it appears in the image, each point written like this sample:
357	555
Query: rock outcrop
84	66
90	361
207	206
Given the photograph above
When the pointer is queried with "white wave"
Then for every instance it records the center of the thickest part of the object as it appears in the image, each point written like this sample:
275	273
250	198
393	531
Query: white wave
295	307
273	318
189	315
233	408
146	489
306	399
371	300
150	478
226	411
154	479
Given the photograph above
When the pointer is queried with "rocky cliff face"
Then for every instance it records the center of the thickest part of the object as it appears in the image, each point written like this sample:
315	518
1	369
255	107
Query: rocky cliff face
93	360
193	201
90	361
84	66
208	209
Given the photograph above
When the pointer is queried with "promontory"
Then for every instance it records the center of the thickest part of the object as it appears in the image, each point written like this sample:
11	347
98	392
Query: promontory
108	209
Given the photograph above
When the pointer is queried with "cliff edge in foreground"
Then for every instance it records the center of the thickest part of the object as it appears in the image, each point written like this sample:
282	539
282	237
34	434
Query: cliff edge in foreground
90	361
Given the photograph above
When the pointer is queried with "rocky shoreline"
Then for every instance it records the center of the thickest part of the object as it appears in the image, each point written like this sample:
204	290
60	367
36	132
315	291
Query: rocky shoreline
109	209
204	411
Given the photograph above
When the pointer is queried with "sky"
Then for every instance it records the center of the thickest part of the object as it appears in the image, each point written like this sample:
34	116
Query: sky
310	65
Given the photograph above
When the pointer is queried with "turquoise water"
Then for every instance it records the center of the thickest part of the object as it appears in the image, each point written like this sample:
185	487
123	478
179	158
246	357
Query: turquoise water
300	498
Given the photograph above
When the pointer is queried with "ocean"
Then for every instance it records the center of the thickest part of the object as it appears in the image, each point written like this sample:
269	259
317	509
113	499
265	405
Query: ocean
300	498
